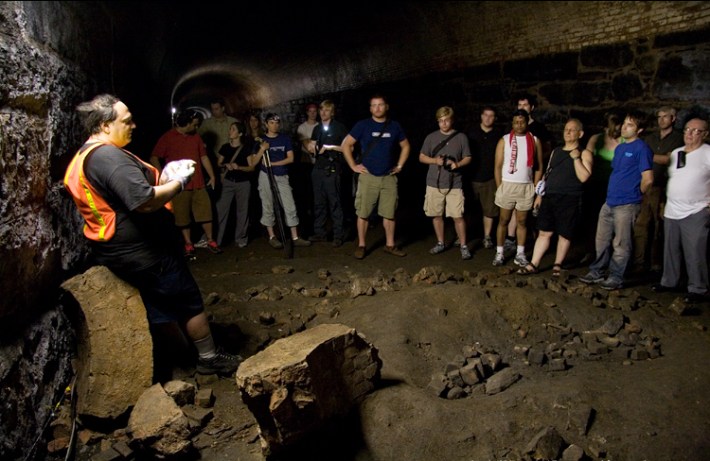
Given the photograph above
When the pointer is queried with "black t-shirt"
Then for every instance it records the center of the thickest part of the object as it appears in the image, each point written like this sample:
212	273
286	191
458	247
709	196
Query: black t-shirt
141	239
483	153
227	151
332	135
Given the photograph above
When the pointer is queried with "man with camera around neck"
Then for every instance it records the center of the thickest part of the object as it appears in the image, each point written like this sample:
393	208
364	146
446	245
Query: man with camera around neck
445	151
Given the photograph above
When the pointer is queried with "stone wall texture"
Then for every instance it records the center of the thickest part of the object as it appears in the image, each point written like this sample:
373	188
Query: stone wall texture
578	58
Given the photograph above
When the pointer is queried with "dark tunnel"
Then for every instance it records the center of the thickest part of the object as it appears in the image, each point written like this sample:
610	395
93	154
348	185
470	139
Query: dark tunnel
578	59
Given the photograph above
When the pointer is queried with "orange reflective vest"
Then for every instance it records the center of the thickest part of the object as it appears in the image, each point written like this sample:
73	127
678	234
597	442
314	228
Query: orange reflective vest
99	217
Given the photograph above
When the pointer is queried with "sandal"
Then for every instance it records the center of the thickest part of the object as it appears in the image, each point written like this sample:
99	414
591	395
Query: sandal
556	270
530	268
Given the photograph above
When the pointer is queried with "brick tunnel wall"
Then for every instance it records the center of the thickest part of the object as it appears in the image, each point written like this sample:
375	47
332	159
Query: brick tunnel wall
589	57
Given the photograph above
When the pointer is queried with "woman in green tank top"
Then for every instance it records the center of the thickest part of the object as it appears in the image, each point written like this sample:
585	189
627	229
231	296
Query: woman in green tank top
602	146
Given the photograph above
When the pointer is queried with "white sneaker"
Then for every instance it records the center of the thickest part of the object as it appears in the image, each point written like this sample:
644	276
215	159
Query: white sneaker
202	243
521	260
465	253
438	248
499	260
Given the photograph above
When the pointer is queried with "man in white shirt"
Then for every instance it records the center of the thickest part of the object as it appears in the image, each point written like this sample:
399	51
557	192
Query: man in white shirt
687	214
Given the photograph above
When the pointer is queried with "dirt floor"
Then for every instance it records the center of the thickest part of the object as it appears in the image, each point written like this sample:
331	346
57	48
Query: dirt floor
620	375
640	399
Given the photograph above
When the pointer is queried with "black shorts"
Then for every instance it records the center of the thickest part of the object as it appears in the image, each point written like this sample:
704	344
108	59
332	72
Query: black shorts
560	213
168	289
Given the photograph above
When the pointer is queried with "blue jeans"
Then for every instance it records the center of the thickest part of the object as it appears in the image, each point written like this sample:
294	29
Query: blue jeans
614	240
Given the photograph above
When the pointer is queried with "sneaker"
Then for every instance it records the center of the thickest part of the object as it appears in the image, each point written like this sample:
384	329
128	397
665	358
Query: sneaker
488	242
611	284
394	251
658	288
499	260
457	243
242	244
693	298
275	243
190	252
359	253
337	243
438	248
202	243
299	242
465	254
222	364
521	260
213	247
591	277
317	238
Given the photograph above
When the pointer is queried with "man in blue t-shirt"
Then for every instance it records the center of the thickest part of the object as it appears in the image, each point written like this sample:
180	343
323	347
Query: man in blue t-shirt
275	152
377	169
631	176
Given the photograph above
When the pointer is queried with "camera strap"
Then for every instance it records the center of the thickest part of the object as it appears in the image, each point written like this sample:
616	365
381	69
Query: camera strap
434	152
441	145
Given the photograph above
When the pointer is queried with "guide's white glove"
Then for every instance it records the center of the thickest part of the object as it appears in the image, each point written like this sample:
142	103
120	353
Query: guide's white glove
178	170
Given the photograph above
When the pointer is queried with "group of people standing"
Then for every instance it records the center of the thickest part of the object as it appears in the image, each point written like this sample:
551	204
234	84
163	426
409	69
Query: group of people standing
132	209
622	189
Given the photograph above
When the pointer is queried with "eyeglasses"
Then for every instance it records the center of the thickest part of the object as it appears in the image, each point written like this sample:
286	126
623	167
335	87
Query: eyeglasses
680	163
694	130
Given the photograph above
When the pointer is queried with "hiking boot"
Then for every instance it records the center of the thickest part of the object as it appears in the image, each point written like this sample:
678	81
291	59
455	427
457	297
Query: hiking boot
591	277
438	248
488	242
190	254
465	253
213	247
611	283
499	259
202	243
360	253
394	251
275	243
299	242
222	364
521	260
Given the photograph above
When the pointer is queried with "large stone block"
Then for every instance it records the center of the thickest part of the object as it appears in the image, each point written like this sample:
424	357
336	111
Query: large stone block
115	348
298	383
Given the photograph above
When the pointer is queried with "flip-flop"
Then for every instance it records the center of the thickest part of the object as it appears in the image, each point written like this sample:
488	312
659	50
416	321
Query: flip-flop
529	269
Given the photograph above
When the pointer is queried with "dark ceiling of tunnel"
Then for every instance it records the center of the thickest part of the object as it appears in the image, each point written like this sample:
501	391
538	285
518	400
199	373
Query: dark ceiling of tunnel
232	50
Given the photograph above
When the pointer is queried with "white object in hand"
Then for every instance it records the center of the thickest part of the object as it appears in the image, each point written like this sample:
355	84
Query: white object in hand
178	170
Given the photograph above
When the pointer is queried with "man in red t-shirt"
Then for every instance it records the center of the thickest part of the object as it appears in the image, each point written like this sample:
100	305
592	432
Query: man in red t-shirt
180	143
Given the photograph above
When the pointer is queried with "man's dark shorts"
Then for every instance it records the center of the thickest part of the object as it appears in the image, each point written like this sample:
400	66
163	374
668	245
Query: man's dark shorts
560	213
168	290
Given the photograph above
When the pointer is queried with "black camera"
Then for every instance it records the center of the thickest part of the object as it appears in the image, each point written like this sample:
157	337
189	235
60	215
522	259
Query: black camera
449	166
